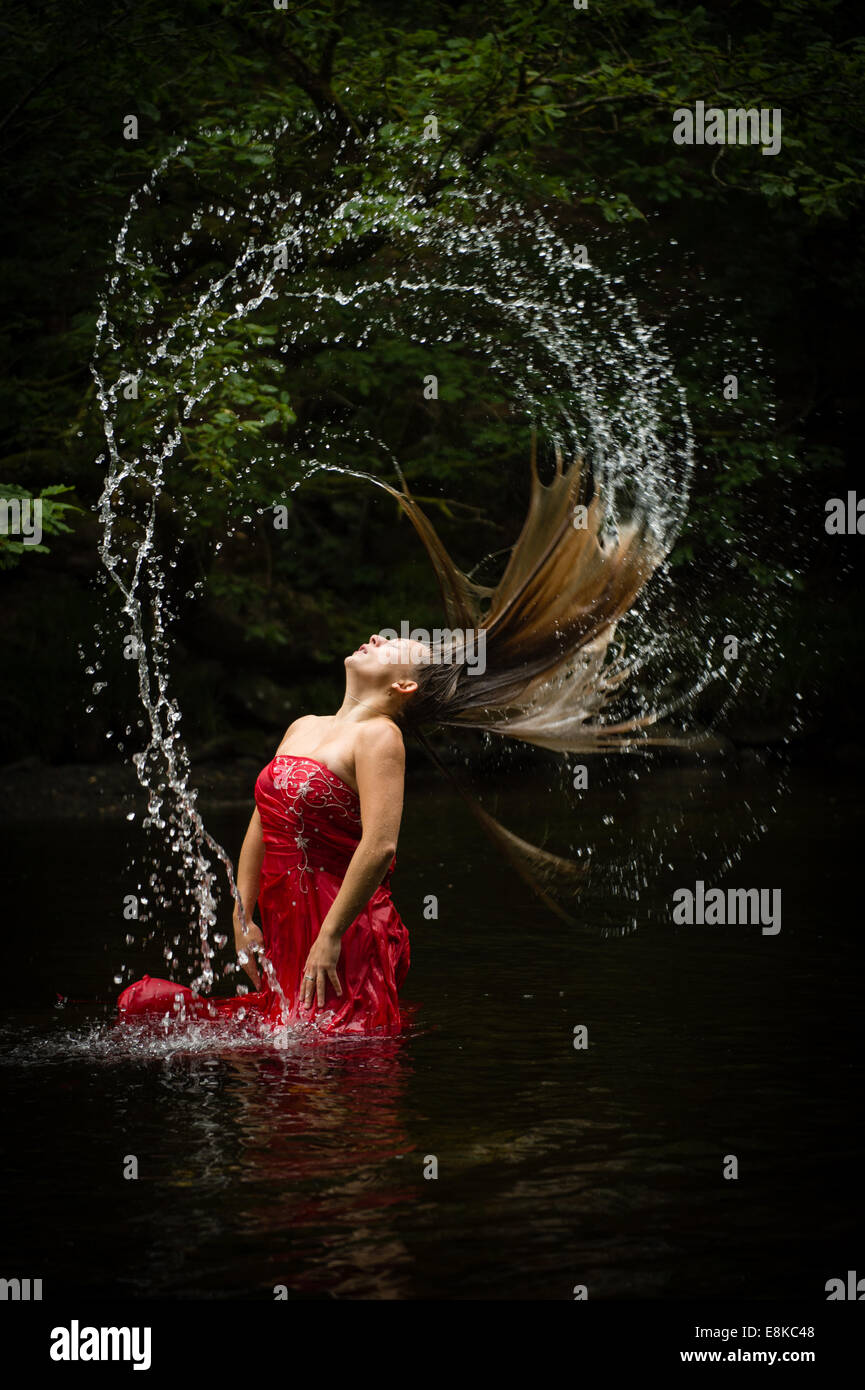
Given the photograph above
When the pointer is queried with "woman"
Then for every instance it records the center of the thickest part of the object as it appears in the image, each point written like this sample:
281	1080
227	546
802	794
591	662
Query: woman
320	846
346	773
317	859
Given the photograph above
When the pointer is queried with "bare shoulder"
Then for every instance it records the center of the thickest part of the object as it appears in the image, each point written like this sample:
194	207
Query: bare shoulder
380	738
304	721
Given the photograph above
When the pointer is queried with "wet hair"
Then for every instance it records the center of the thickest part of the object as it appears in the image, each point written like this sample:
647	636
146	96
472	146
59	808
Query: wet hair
438	696
548	626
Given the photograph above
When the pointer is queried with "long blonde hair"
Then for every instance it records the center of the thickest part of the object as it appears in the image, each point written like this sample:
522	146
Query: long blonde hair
548	626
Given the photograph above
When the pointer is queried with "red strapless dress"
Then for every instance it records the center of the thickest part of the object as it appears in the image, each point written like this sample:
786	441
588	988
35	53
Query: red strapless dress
311	823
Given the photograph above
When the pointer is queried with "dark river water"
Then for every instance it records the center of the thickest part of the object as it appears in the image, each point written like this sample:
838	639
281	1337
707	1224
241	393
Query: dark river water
304	1165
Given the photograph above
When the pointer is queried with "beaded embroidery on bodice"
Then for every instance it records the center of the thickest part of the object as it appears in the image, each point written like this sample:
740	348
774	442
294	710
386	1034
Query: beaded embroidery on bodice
326	787
310	816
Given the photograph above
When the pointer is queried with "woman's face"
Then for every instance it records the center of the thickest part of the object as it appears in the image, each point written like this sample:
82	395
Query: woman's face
379	662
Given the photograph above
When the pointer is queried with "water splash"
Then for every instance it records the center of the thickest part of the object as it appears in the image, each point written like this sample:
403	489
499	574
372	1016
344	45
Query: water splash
339	268
172	1040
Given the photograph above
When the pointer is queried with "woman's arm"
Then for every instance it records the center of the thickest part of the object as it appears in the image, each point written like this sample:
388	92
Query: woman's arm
379	763
246	934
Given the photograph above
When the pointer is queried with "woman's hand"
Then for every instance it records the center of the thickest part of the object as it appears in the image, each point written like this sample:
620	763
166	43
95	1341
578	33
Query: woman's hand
248	942
320	967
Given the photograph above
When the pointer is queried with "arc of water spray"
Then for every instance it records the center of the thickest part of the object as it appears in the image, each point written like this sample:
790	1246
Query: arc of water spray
524	310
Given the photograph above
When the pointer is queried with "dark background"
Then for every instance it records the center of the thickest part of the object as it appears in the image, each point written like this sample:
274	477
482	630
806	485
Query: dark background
752	263
304	1166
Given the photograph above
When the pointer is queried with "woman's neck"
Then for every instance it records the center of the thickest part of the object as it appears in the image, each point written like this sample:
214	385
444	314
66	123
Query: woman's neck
356	709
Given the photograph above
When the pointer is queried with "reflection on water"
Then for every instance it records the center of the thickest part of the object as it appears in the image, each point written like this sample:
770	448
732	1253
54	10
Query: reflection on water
303	1165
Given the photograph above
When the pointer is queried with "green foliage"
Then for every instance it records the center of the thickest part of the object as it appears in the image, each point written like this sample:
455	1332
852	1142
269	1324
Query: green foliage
570	110
51	520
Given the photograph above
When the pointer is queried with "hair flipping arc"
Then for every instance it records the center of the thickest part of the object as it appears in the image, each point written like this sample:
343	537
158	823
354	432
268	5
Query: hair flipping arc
548	626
